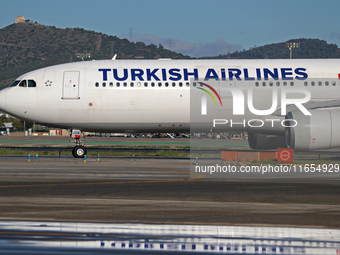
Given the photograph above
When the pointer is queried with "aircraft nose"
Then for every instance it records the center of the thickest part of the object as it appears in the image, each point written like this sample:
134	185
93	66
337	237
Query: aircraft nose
3	99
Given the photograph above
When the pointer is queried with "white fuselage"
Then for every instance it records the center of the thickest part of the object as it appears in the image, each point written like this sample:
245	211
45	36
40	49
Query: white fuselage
154	95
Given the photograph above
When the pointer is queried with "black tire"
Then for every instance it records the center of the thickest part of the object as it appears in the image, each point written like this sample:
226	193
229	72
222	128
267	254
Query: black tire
79	151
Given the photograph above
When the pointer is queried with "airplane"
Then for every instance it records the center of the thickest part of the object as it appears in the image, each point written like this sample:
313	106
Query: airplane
280	103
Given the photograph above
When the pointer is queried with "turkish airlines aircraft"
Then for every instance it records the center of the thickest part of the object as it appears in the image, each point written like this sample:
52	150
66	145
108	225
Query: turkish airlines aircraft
279	103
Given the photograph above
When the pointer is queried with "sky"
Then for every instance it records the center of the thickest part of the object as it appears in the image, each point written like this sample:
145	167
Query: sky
192	27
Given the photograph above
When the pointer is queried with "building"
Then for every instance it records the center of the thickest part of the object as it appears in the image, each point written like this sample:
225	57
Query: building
20	19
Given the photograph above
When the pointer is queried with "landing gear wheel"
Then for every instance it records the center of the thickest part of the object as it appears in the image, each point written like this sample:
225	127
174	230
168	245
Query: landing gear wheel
79	151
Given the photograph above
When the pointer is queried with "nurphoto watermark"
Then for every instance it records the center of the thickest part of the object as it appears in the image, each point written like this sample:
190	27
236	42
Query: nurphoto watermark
239	118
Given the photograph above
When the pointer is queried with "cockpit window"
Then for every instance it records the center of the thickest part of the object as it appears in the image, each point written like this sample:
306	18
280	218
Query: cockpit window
14	83
23	83
31	84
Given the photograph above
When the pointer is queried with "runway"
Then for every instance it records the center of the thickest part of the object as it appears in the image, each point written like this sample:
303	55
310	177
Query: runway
151	206
157	191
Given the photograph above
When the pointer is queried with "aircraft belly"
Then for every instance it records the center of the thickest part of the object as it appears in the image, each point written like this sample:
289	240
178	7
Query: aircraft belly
122	111
129	127
141	107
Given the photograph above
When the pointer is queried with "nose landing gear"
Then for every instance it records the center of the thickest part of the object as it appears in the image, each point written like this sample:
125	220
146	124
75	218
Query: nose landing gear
79	151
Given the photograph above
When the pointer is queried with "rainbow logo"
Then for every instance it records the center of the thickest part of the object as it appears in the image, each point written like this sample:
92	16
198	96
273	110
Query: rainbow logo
209	93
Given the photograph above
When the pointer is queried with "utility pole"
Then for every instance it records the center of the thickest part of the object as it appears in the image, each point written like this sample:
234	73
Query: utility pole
130	34
290	46
170	44
229	51
83	55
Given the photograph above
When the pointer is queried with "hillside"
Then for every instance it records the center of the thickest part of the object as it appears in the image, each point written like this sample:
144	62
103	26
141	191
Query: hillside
27	46
308	48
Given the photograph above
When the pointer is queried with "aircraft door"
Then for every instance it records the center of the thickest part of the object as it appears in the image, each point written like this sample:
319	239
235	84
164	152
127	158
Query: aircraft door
71	85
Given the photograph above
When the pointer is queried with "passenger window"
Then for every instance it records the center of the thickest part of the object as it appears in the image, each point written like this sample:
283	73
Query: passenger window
125	84
111	84
320	83
271	84
326	83
174	84
313	83
104	84
291	83
306	83
159	84
23	84
333	83
145	84
97	84
14	83
132	84
167	84
118	84
180	84
256	84
152	84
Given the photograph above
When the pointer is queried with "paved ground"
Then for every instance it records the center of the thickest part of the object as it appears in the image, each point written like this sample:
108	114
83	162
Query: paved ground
141	190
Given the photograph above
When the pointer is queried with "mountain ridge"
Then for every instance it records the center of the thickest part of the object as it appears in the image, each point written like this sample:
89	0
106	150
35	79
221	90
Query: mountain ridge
28	46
